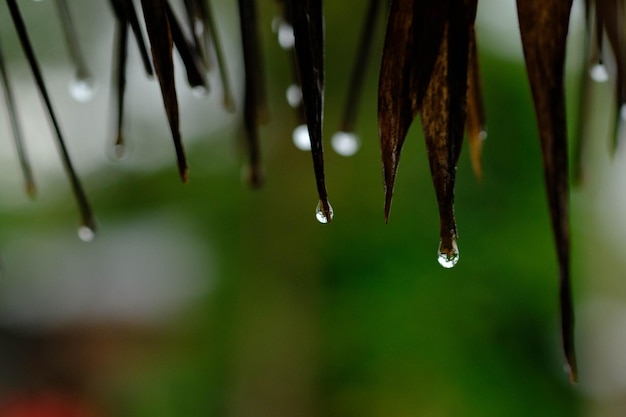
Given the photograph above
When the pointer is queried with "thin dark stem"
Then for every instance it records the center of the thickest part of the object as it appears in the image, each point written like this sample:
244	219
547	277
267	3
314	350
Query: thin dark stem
87	218
18	138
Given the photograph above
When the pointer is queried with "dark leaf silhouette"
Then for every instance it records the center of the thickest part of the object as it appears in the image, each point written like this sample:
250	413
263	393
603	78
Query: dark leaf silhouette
412	43
119	80
425	68
544	27
188	53
159	33
308	25
444	116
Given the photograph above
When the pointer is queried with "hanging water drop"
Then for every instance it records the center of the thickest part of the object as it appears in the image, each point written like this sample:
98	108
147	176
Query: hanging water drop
82	89
598	72
319	213
345	143
86	233
301	138
294	95
286	38
200	91
448	259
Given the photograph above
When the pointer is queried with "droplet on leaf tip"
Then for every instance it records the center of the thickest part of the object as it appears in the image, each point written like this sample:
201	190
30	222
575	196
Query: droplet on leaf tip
301	138
598	73
448	259
346	143
319	213
86	233
120	150
82	89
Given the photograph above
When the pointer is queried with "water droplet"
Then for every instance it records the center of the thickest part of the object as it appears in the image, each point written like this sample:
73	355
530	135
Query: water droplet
482	135
319	213
598	73
448	260
301	138
345	143
86	233
198	27
200	91
82	88
120	150
294	95
286	39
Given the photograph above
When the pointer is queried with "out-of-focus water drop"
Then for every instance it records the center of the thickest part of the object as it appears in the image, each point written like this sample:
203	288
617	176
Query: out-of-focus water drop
294	95
598	72
448	260
82	89
345	143
301	138
86	233
319	213
286	38
200	91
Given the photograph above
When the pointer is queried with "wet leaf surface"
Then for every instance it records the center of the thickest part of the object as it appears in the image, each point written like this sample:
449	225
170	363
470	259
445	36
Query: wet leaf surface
254	106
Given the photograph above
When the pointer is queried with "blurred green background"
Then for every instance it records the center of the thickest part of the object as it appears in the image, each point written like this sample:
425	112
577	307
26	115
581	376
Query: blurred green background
211	299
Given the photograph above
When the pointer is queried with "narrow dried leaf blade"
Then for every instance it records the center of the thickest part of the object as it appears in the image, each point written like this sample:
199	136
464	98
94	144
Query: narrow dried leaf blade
308	24
476	124
188	54
254	88
544	26
412	40
157	25
444	114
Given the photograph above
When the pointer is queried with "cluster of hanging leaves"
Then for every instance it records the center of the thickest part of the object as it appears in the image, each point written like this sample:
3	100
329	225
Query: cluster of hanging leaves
429	67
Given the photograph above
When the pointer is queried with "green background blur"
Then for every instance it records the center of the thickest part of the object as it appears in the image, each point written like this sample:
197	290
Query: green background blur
354	318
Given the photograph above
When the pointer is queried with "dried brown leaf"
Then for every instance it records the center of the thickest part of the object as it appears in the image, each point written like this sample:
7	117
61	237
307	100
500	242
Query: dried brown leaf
544	26
412	43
